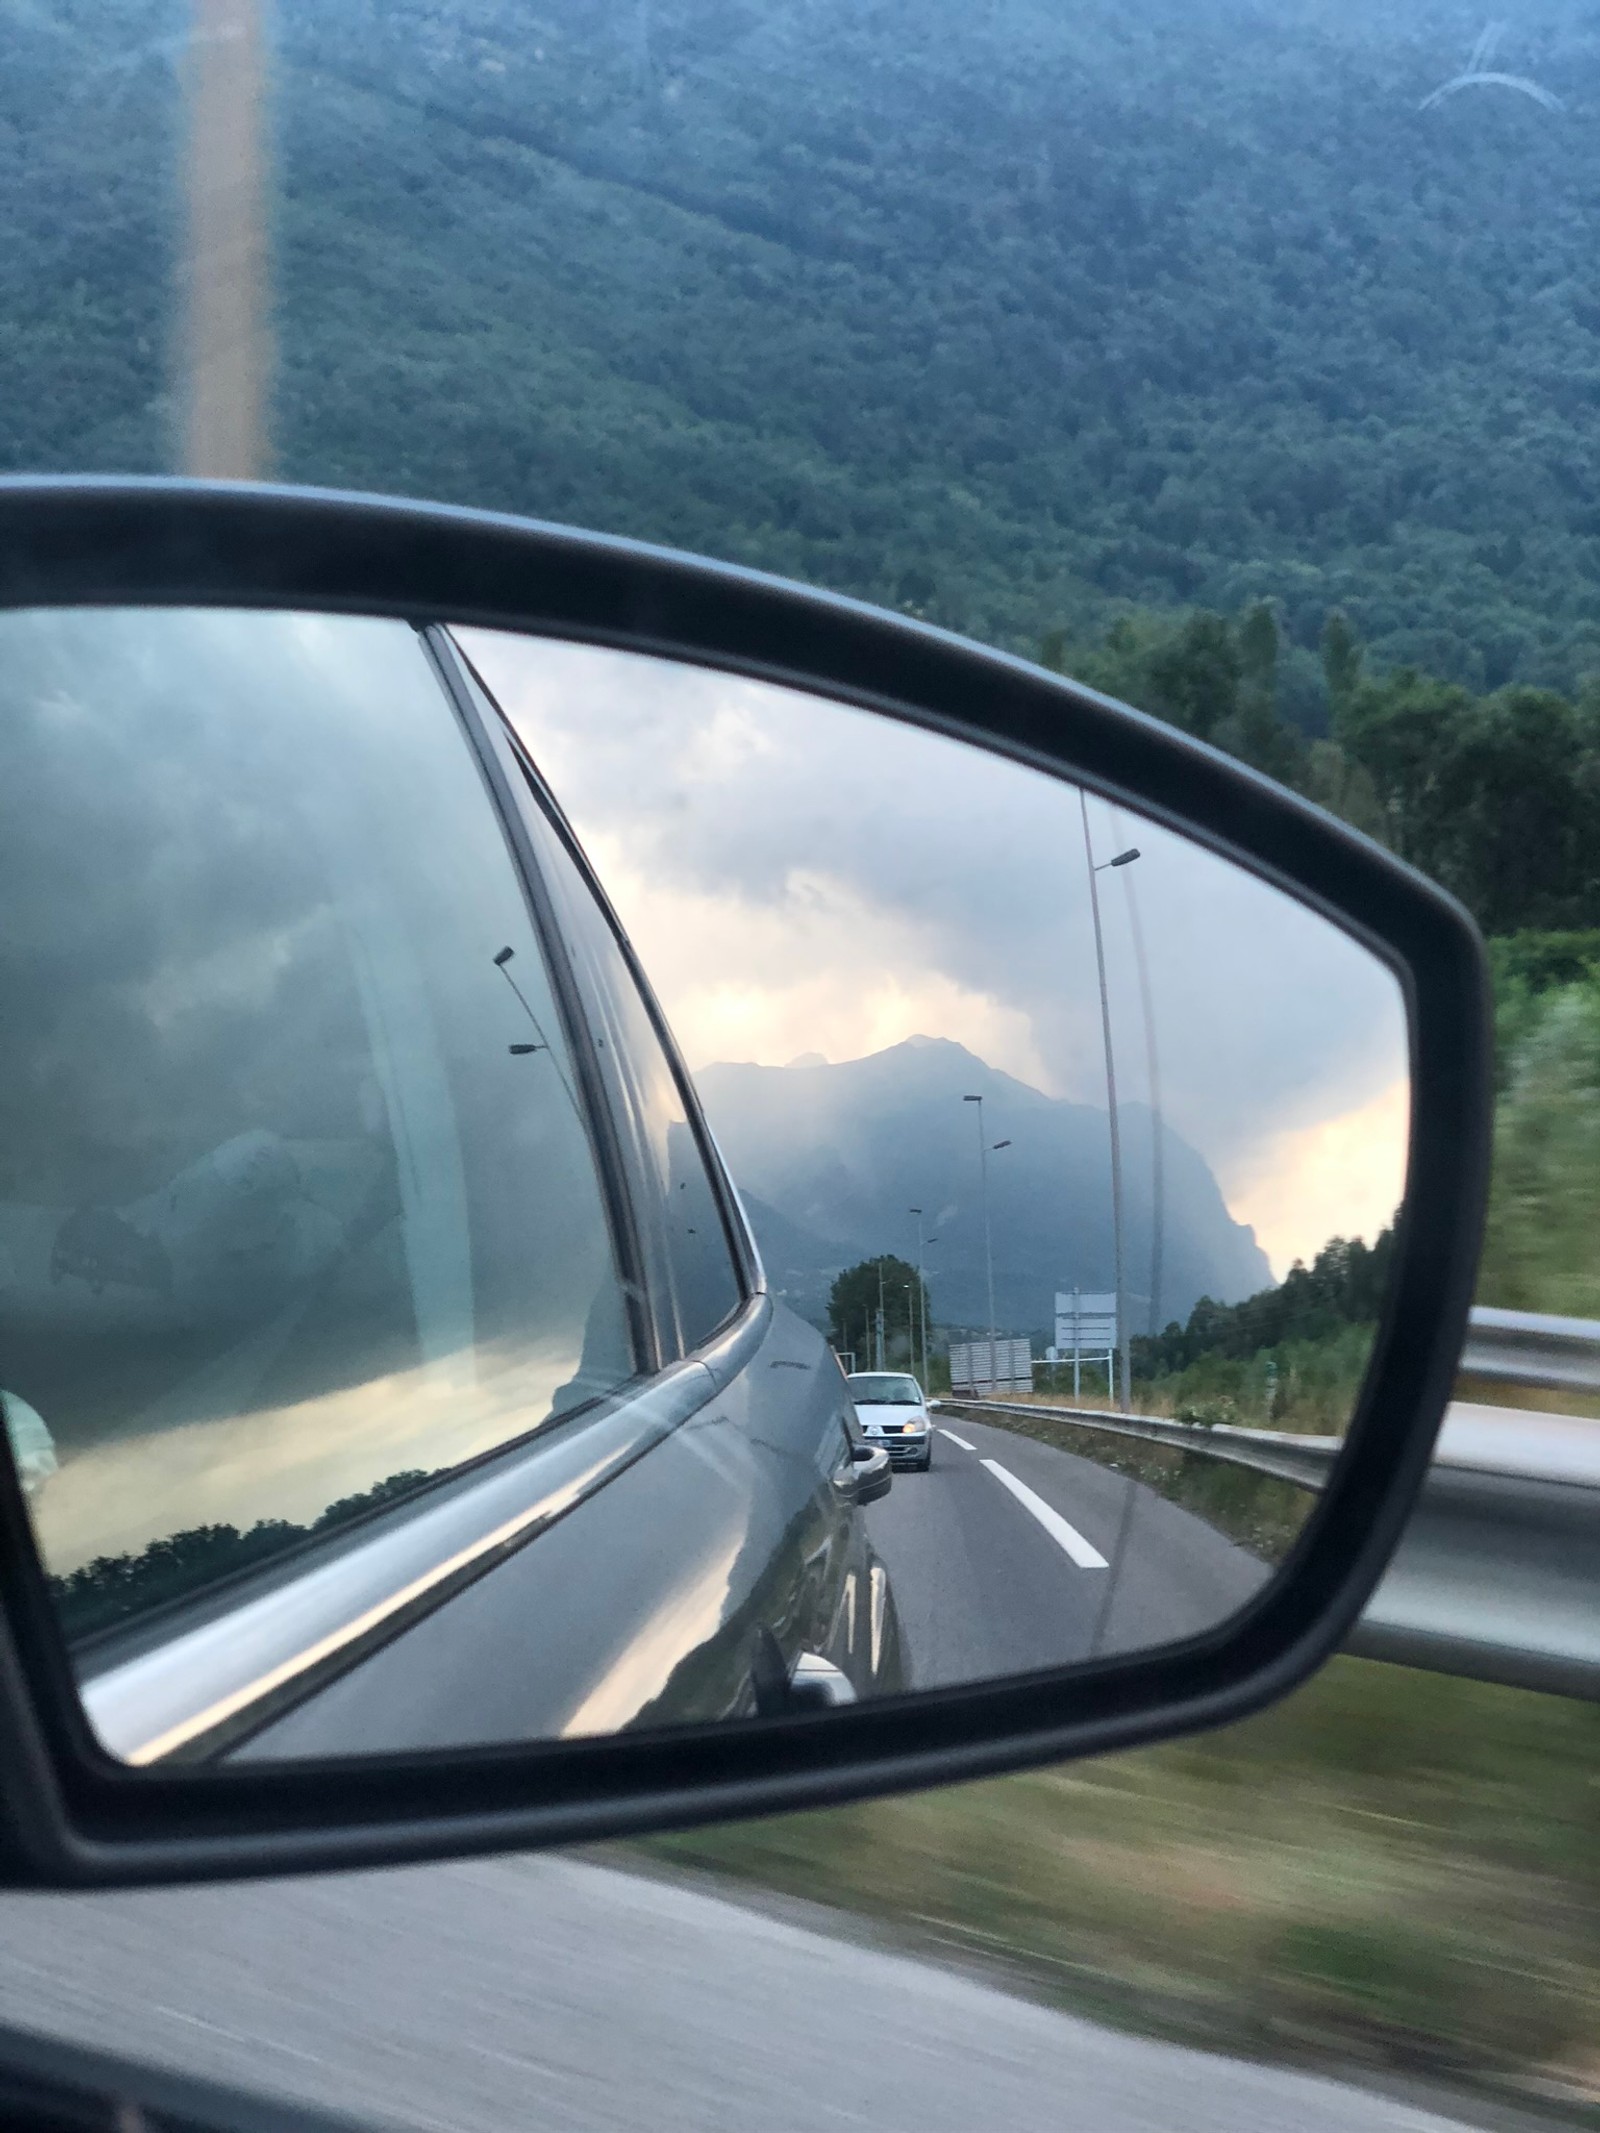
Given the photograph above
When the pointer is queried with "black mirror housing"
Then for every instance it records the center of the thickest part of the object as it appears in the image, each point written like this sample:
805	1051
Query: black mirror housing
76	1817
874	1475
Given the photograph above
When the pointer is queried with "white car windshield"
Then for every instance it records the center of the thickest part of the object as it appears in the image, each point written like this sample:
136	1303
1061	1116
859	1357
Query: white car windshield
876	1390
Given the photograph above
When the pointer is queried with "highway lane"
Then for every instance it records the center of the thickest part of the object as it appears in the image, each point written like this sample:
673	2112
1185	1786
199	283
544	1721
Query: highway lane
986	1583
491	1996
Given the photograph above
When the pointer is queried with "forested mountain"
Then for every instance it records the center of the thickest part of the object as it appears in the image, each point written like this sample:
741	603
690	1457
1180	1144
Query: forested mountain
1007	311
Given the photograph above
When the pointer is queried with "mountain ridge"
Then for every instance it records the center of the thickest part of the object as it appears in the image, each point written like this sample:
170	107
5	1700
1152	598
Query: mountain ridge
839	1154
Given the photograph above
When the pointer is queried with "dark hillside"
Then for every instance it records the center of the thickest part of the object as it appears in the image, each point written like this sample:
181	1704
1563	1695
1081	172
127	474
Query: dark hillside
1010	313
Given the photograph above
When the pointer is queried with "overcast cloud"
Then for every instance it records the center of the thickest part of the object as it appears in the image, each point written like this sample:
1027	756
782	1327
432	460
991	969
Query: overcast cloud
803	877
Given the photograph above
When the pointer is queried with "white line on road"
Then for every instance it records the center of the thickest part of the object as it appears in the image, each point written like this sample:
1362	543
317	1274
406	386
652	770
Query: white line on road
954	1439
1082	1552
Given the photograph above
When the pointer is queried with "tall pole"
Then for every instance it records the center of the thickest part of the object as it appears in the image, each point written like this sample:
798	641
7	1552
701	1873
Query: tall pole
988	1238
1111	1107
883	1358
1153	1071
921	1305
225	355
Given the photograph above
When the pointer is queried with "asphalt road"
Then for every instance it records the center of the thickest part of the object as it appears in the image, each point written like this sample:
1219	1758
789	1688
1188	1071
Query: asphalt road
551	1994
1051	1559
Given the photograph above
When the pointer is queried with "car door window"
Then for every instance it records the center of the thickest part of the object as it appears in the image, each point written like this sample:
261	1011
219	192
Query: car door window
696	1283
298	1205
685	1215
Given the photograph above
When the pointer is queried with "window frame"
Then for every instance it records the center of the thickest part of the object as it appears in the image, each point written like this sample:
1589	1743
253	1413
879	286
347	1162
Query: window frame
744	1257
616	1173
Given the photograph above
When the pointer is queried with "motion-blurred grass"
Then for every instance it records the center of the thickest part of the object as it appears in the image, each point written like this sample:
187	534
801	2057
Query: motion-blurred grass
1391	1867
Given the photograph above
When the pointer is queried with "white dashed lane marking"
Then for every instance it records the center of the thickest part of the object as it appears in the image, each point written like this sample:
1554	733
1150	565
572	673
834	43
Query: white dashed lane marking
954	1439
1082	1552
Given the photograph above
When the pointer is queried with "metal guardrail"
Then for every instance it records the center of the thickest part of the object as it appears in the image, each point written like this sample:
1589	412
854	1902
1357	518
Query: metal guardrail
1498	1573
1524	1348
1303	1460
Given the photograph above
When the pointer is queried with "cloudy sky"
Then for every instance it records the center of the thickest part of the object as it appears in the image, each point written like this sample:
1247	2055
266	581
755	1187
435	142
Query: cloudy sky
801	877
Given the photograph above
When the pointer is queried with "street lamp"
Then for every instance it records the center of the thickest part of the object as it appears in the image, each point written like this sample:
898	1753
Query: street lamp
522	1051
988	1237
1141	965
928	1244
1122	859
921	1303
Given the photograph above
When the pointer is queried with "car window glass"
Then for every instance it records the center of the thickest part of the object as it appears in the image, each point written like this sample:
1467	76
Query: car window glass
683	1219
875	1391
297	1206
705	1287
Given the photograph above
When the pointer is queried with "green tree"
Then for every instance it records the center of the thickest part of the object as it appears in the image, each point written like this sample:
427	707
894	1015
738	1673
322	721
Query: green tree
1053	651
1341	661
1258	658
1263	738
1404	731
855	1299
1194	679
1522	790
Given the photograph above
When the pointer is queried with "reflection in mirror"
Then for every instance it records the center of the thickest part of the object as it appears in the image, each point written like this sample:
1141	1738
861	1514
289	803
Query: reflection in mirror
384	1362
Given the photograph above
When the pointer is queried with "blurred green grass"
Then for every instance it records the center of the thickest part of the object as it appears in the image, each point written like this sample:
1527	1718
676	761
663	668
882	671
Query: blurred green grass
1391	1869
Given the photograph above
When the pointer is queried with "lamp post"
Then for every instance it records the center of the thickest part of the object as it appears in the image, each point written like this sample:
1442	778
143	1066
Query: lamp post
988	1237
1141	965
1122	859
928	1245
921	1301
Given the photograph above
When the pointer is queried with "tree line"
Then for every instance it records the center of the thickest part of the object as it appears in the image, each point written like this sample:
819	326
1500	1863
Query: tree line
1343	1286
1496	796
112	1589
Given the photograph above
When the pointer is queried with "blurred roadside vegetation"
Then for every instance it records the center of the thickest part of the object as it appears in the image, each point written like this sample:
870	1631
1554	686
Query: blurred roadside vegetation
1542	1248
1391	1869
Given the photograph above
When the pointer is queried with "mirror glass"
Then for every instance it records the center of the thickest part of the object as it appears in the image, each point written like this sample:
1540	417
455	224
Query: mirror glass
545	1191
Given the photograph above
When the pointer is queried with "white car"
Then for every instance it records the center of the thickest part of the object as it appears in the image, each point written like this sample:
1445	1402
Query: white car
893	1412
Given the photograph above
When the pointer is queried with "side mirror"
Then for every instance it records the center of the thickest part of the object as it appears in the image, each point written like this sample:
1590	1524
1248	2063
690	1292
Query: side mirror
422	1394
874	1476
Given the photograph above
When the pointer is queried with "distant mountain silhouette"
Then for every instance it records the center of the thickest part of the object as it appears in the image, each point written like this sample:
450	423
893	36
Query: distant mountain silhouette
830	1158
800	1264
